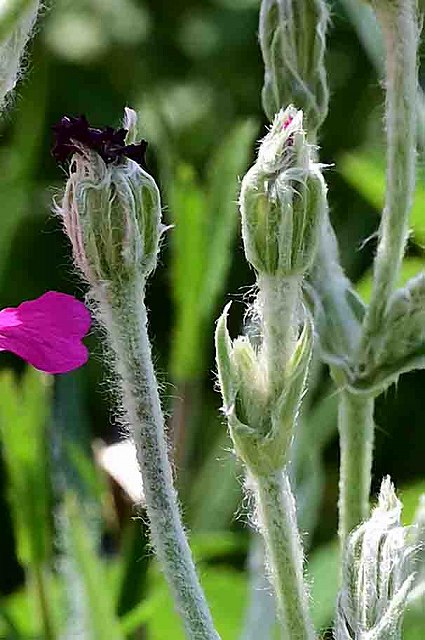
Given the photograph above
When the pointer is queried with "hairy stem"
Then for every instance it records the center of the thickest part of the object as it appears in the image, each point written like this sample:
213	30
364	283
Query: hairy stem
124	315
279	300
260	615
398	20
277	520
356	430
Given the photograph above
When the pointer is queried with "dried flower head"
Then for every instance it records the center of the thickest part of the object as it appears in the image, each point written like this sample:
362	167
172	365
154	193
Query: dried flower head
71	134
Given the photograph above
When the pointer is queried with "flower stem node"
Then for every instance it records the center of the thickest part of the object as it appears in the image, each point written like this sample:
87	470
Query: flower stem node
112	215
261	424
283	200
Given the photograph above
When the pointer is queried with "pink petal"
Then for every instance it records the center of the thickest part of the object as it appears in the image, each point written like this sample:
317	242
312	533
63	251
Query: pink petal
47	332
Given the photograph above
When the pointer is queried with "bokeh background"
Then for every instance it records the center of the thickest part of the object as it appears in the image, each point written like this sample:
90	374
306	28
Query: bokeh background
193	71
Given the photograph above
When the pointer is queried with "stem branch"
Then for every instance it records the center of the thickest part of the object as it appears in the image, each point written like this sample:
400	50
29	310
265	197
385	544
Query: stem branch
398	20
356	431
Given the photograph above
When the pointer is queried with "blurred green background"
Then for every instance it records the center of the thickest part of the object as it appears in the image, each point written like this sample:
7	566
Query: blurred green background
193	71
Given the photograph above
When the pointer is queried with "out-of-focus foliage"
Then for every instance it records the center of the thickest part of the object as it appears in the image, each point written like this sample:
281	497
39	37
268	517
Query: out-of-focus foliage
193	70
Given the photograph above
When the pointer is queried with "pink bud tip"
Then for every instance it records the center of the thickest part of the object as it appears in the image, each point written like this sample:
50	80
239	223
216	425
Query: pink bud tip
287	122
47	332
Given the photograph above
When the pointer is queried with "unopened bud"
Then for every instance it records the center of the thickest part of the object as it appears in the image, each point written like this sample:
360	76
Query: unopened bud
112	214
283	200
261	424
377	574
292	40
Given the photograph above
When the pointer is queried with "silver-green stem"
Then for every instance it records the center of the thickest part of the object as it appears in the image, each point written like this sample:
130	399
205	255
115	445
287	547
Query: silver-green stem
260	616
356	432
398	20
123	312
279	300
278	523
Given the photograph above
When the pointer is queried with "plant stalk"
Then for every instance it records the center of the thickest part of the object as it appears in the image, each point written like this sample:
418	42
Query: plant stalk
279	300
398	20
356	434
278	524
123	313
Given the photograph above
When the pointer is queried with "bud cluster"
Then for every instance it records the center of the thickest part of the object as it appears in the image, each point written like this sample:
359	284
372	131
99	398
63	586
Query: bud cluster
261	424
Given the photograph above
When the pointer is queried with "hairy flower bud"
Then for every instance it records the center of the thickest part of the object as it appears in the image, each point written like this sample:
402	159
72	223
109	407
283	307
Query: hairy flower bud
16	23
292	40
112	215
282	201
377	574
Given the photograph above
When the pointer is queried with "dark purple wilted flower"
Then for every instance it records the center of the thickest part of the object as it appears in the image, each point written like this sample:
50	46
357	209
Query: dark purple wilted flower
109	143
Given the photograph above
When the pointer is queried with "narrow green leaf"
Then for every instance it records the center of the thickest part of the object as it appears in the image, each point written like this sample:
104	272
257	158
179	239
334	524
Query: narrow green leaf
205	220
98	596
323	571
366	174
188	210
410	268
227	166
24	410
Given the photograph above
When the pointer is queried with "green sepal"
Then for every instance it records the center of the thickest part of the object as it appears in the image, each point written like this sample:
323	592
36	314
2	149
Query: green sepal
227	376
284	414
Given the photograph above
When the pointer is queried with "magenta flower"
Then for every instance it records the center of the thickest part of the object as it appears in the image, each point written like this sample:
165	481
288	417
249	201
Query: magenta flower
47	332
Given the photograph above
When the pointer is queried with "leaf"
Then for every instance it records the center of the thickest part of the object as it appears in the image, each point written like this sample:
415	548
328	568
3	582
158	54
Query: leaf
226	591
323	571
213	505
409	268
17	616
97	593
410	496
20	160
24	410
189	210
205	217
366	174
226	168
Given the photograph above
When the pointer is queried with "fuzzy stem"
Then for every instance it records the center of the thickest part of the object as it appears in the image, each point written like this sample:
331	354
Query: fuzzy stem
398	20
260	615
123	313
277	520
279	300
356	431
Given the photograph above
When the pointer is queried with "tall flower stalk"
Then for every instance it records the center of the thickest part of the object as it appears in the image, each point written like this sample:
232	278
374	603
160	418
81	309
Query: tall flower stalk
399	24
358	344
111	212
282	203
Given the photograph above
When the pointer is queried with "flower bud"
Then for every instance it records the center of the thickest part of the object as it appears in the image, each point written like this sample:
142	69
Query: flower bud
112	215
377	574
292	40
399	346
283	200
16	23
